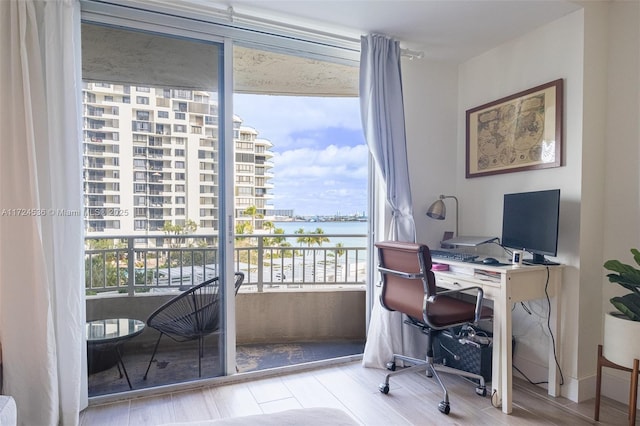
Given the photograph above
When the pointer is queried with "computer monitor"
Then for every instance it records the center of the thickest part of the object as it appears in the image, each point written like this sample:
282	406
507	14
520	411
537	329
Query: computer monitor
530	223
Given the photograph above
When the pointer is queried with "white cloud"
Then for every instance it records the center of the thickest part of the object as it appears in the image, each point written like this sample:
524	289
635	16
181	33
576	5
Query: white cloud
320	163
277	117
335	163
321	181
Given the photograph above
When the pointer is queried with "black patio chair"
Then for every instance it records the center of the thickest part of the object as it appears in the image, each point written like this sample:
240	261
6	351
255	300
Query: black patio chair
192	315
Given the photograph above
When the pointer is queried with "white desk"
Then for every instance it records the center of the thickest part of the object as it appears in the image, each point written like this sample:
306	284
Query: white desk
510	285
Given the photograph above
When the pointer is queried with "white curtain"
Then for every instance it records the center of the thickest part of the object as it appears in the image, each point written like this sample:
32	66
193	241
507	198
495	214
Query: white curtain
42	312
382	110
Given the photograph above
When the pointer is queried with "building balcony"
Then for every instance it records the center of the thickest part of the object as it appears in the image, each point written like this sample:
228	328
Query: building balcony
265	196
292	298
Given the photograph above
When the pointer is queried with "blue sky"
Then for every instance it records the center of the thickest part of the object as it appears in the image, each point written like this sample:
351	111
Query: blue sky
320	155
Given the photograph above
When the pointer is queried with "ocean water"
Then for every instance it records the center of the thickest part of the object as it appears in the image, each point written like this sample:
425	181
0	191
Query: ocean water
335	231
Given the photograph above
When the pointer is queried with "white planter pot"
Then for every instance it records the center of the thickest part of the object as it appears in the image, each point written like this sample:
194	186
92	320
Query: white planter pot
621	339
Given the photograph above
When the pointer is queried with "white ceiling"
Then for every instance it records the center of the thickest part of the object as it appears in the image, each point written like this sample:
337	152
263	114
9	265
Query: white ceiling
453	30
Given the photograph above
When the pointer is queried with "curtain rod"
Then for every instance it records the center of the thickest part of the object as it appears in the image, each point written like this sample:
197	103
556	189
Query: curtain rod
233	16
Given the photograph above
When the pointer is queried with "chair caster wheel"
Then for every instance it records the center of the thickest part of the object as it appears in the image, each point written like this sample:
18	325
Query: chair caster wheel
481	390
444	407
384	388
391	366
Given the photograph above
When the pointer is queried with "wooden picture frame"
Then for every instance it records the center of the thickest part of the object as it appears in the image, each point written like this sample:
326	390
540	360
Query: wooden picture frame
519	132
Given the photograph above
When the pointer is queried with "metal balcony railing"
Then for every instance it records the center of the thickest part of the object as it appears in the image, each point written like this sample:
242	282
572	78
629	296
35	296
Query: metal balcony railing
153	263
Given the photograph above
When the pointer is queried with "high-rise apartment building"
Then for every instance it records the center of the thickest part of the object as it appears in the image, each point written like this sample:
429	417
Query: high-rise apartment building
151	157
252	174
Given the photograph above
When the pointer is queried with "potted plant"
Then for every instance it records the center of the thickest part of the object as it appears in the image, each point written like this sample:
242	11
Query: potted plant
622	328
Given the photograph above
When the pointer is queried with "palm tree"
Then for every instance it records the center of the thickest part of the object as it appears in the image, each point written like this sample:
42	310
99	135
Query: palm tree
277	239
244	228
268	225
190	227
319	239
170	228
311	238
252	211
303	239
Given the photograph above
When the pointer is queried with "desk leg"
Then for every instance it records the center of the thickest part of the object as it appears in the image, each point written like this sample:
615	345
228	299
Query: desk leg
506	351
554	383
496	359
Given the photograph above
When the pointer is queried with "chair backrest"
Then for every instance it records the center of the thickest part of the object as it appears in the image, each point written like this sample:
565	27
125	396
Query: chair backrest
239	280
192	313
407	280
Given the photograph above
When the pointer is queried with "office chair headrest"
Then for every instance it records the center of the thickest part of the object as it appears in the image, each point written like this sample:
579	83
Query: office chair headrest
402	246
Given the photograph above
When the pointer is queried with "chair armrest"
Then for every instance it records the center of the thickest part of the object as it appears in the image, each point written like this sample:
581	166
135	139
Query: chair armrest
479	297
407	275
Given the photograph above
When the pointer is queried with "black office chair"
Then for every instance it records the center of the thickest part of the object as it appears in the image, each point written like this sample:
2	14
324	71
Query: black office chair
192	315
408	286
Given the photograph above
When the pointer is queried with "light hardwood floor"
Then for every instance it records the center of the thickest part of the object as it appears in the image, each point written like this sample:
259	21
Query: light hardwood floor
413	400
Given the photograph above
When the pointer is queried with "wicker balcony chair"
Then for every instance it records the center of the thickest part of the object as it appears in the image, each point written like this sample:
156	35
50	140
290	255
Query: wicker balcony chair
192	315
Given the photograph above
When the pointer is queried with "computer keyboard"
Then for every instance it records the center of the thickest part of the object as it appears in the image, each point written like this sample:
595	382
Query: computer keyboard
453	255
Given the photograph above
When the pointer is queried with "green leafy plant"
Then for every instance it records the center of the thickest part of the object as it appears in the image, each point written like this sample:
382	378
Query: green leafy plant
628	277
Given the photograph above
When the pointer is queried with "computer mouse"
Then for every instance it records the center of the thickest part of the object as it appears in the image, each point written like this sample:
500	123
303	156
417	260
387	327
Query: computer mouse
490	261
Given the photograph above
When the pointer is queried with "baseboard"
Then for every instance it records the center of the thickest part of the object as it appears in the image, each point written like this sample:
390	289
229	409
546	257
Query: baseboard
579	390
615	385
572	389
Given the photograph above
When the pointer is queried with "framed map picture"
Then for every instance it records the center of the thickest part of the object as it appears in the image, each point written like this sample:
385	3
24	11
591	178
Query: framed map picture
519	132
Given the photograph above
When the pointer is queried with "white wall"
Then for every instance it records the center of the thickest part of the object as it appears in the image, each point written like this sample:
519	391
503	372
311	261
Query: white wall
430	96
622	140
546	54
621	152
589	319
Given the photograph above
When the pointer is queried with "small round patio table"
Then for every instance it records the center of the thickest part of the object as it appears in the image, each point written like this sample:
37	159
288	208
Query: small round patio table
110	334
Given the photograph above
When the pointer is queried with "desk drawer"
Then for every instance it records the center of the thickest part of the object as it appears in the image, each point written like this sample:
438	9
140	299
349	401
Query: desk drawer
456	281
451	281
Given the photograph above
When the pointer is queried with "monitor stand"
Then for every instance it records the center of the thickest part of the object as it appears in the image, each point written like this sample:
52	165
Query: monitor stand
538	259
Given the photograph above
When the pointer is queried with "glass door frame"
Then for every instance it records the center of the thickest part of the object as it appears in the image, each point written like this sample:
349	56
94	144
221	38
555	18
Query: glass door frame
226	209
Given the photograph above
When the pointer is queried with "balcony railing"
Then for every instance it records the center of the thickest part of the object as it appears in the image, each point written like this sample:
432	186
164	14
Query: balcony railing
132	264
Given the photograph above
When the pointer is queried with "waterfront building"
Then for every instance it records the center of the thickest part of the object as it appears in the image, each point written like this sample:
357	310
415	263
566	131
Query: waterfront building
150	157
252	177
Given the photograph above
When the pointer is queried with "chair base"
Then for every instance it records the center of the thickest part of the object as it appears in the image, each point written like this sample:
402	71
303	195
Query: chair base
431	369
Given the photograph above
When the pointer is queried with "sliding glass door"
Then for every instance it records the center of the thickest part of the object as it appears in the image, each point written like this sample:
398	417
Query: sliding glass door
180	189
154	188
300	208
